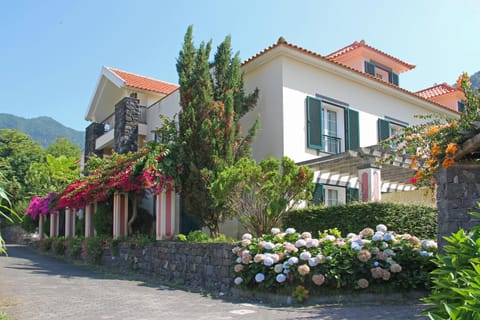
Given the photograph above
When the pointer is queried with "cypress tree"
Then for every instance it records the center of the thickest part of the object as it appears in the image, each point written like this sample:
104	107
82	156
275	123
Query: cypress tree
212	101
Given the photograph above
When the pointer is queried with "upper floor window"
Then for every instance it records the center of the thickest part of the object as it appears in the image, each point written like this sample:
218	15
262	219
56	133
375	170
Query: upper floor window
388	128
381	72
461	106
330	127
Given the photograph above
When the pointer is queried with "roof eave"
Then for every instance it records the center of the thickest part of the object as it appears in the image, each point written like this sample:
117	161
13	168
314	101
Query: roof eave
105	74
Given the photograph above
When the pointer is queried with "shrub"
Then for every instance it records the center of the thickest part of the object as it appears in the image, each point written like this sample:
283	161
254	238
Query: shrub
47	244
74	246
94	249
261	194
200	236
283	260
103	220
28	224
456	281
59	246
414	219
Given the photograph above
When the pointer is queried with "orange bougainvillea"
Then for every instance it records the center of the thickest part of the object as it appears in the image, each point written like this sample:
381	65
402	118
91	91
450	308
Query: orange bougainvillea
435	150
451	149
448	162
436	142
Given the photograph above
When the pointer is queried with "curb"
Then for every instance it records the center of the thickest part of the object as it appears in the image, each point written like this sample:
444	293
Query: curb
344	299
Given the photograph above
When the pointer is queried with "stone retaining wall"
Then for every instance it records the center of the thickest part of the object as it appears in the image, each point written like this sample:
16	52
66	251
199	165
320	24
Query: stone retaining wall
458	193
199	265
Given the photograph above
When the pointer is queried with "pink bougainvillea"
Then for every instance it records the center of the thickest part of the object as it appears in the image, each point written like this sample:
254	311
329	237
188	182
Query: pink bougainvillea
41	206
139	172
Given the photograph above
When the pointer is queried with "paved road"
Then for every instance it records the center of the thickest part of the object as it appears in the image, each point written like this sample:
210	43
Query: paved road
33	287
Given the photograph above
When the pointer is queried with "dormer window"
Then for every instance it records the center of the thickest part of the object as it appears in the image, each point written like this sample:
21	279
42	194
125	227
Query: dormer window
379	71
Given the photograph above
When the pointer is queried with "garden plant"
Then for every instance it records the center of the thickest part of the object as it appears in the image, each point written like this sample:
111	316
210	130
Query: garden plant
281	261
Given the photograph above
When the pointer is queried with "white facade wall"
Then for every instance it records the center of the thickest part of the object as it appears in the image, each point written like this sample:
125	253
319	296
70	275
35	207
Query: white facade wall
168	106
300	80
269	139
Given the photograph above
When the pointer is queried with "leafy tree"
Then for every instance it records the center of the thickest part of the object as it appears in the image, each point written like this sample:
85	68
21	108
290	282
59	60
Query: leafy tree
261	194
64	147
17	152
54	174
212	101
6	213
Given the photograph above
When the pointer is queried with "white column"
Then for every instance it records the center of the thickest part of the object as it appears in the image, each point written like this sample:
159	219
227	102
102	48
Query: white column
370	182
120	215
165	213
41	232
54	224
89	220
116	215
69	222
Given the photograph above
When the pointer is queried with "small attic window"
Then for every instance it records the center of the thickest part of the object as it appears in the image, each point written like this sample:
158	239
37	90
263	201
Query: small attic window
381	72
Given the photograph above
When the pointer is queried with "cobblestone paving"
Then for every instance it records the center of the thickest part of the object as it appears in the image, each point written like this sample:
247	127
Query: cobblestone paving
34	286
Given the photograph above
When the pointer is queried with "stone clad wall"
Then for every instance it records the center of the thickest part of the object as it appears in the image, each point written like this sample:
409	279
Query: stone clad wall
92	132
458	193
127	117
200	265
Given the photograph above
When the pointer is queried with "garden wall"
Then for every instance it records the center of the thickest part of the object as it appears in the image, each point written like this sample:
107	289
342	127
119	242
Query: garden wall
458	193
200	265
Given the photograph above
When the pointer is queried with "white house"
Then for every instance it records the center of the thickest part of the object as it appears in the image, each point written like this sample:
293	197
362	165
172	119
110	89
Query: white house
322	111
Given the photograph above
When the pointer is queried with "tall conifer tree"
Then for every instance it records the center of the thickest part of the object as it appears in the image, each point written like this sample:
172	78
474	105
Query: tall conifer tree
212	101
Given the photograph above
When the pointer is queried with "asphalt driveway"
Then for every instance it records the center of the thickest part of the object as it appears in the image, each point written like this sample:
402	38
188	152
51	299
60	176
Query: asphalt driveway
34	286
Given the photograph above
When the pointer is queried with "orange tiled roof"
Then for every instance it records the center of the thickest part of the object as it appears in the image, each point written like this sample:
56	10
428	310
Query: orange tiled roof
436	90
282	41
360	44
144	83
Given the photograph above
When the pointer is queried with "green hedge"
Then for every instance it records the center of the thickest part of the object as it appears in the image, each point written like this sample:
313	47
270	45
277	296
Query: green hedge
417	220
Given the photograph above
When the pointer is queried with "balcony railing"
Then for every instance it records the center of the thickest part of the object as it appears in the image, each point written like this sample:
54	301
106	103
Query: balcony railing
332	144
109	123
143	114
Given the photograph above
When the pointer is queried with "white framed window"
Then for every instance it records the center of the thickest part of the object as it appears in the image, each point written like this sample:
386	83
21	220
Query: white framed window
334	196
333	128
331	197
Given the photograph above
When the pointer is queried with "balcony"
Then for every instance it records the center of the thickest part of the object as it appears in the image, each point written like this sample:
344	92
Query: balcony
107	139
332	144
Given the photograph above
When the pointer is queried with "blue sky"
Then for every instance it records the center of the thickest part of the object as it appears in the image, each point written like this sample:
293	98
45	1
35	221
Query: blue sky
51	52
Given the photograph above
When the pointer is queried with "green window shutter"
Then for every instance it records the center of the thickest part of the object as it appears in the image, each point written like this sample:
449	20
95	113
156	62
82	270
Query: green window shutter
461	106
383	129
393	78
352	130
318	195
369	68
314	123
352	195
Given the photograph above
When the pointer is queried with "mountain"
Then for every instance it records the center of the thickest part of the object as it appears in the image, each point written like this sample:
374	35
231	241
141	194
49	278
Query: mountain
43	130
475	79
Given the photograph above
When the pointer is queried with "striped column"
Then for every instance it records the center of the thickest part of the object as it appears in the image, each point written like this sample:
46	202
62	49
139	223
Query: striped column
41	232
120	215
370	184
69	222
165	213
89	230
54	224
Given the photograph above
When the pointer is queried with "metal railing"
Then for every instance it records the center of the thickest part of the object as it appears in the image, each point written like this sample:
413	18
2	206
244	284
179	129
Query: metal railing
332	144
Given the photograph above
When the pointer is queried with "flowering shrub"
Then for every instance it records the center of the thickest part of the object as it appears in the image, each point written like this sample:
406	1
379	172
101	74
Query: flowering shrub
149	169
435	143
41	206
372	257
